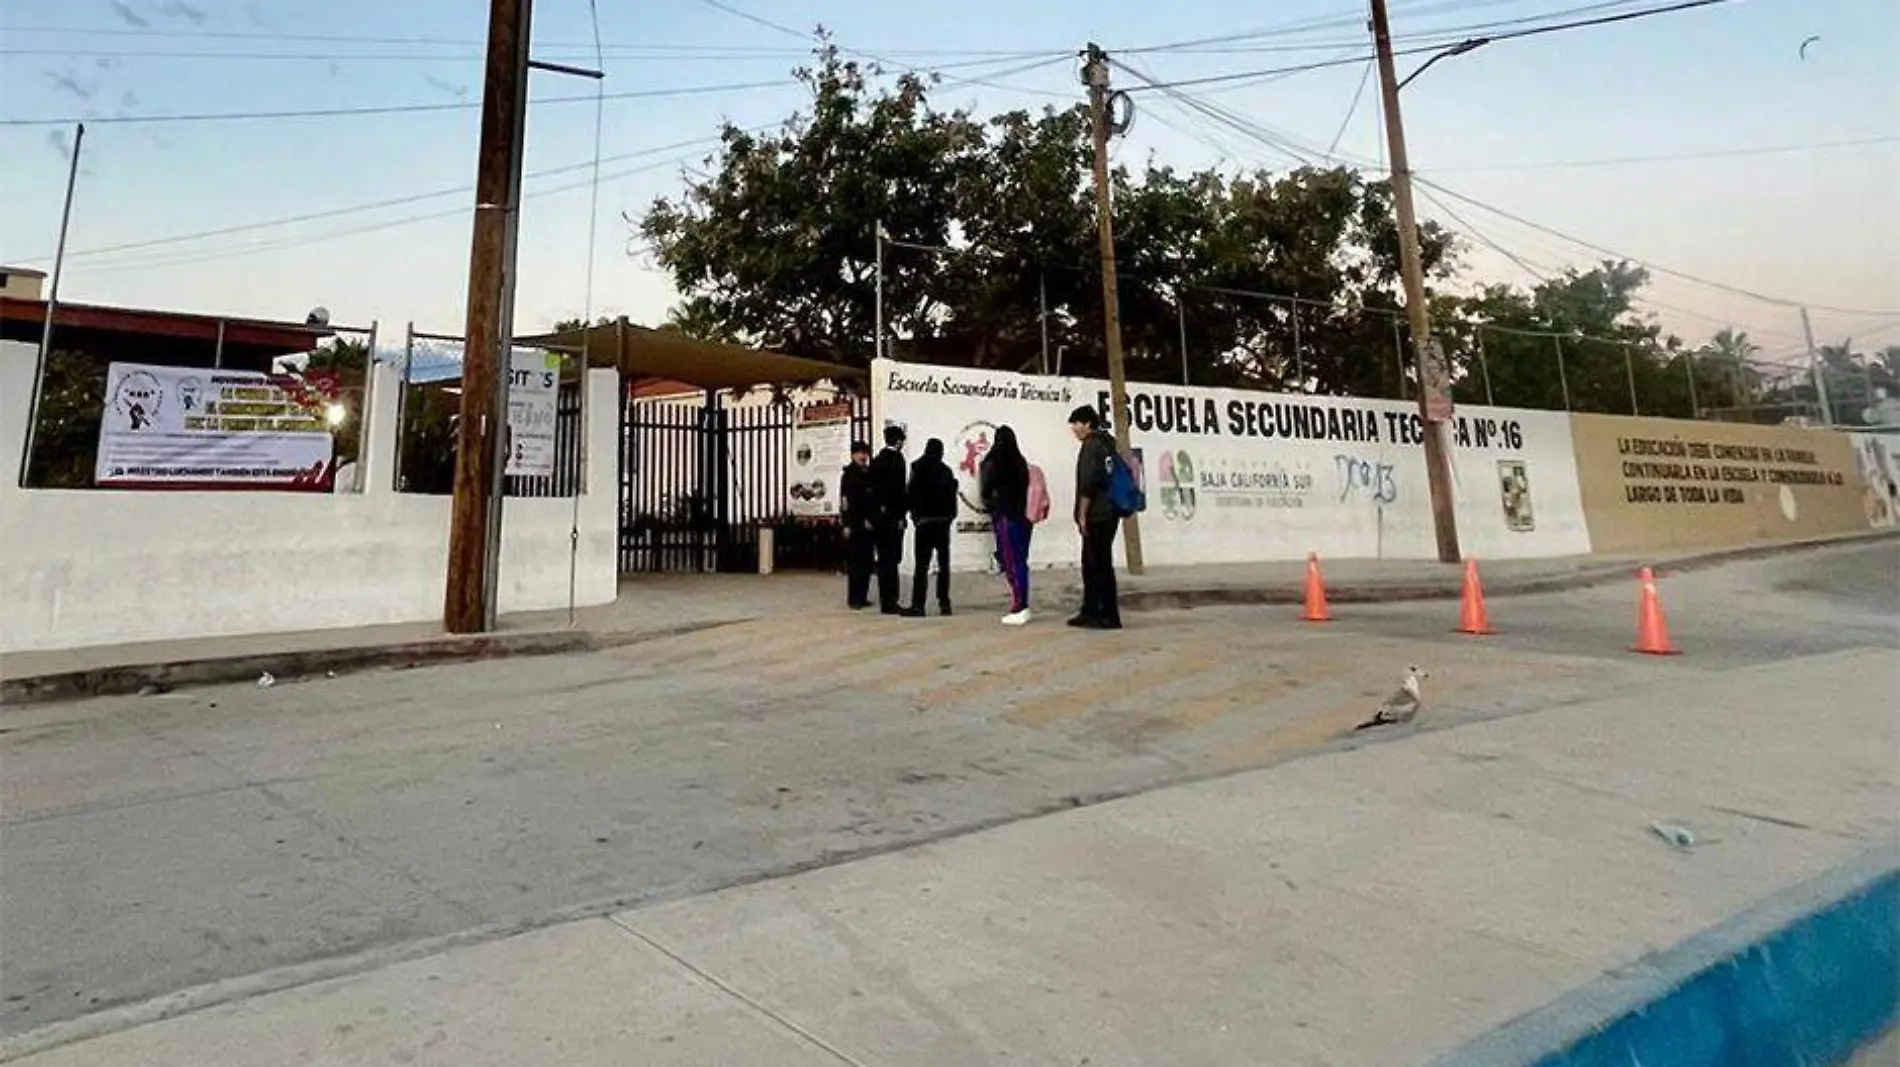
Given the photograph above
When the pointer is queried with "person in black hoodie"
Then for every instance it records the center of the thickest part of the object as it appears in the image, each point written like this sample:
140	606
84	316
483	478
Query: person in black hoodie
856	515
1096	520
888	496
933	505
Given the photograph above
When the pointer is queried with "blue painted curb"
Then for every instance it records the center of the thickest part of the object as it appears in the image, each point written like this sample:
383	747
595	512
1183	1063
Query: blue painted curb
1802	980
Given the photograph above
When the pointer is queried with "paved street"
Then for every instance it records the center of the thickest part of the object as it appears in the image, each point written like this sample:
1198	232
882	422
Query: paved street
159	843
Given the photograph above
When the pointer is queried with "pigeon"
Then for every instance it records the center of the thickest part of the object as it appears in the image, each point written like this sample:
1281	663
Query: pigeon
1402	706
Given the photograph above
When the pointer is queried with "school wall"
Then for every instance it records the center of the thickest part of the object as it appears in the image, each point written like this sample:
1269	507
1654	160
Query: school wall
1238	476
80	568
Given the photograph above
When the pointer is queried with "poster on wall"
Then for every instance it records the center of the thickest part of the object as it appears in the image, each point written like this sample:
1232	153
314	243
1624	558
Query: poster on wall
1877	459
821	446
1237	476
534	391
1670	484
193	428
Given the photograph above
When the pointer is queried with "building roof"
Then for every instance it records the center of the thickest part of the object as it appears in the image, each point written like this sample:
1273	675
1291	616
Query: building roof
24	272
168	337
647	354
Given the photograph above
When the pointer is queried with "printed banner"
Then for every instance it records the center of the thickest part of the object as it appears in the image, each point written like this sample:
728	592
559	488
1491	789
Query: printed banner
191	428
821	446
1236	476
534	391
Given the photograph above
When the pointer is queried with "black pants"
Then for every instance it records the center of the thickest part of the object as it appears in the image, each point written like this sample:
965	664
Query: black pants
890	555
1100	601
860	559
933	539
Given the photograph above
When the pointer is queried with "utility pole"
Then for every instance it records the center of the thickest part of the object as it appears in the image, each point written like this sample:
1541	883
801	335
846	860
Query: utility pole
1434	378
879	235
481	437
1095	76
1819	369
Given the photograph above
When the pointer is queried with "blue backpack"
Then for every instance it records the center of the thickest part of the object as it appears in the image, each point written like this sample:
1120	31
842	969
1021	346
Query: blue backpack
1125	494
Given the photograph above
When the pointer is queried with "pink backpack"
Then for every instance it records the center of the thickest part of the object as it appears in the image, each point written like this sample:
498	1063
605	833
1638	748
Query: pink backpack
1038	509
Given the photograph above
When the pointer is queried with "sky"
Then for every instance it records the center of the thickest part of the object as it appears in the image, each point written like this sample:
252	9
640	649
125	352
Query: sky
1562	132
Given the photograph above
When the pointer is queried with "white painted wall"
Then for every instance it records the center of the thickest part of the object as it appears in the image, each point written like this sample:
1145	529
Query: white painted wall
1256	496
82	568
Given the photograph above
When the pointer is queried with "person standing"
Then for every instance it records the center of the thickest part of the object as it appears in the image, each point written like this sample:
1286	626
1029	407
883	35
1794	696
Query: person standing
856	512
933	507
1004	479
1096	520
889	489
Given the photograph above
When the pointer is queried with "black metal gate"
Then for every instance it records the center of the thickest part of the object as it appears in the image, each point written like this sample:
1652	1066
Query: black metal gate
700	478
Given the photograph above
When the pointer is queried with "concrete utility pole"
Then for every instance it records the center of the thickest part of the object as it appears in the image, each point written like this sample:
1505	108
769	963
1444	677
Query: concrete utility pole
1095	76
481	438
1819	369
1434	377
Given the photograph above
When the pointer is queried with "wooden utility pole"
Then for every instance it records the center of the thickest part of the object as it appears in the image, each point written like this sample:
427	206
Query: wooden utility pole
1434	377
481	437
1095	76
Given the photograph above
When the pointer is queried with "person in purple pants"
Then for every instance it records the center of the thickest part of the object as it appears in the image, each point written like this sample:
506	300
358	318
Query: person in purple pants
1004	482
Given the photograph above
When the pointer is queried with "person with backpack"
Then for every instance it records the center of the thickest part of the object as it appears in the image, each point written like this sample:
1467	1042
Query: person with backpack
1098	469
1017	498
933	507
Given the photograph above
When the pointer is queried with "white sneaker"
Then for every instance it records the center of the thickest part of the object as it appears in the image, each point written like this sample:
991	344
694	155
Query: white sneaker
1017	618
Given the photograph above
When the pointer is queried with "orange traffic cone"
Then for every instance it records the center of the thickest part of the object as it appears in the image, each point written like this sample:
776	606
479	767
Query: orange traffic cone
1471	616
1316	610
1652	633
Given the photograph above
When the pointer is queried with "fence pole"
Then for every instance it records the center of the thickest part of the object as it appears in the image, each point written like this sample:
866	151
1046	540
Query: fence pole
1484	367
1042	303
1688	364
402	401
1299	359
1563	378
1398	355
1180	313
1629	370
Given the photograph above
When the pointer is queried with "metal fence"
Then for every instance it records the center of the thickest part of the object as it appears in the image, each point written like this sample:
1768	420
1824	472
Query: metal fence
701	477
429	367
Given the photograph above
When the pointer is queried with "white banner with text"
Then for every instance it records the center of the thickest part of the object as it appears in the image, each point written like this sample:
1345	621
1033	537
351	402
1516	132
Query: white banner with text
193	428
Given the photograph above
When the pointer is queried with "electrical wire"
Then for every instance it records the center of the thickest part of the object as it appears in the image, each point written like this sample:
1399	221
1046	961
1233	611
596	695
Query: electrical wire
1533	31
1351	109
1673	157
394	109
587	312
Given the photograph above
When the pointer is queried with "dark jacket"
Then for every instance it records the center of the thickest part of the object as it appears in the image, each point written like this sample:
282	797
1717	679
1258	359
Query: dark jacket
1005	488
933	489
1092	477
858	495
889	487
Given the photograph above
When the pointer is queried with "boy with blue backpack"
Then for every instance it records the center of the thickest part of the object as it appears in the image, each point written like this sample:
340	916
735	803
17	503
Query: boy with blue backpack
1106	491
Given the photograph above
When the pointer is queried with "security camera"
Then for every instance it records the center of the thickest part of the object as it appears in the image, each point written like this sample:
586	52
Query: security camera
319	317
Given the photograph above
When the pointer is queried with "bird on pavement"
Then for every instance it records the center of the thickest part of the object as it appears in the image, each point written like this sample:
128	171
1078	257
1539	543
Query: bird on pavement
1403	705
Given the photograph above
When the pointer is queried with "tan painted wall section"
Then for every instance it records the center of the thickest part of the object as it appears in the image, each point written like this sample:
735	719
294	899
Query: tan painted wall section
1652	484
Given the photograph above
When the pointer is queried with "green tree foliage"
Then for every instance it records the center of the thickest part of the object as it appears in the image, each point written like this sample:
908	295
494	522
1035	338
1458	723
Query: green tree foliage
989	219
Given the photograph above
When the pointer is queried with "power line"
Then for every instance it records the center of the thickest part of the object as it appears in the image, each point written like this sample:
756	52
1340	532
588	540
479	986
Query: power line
392	109
1533	31
376	205
1657	268
1671	157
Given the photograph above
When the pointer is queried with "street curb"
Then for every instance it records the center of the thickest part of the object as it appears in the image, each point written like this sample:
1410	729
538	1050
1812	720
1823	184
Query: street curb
1804	979
1452	586
438	651
291	666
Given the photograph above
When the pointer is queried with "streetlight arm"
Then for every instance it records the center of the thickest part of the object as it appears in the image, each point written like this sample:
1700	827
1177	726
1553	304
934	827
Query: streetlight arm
1469	44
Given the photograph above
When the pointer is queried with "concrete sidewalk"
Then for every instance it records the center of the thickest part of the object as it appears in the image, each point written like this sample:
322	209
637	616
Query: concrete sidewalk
656	606
1372	905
